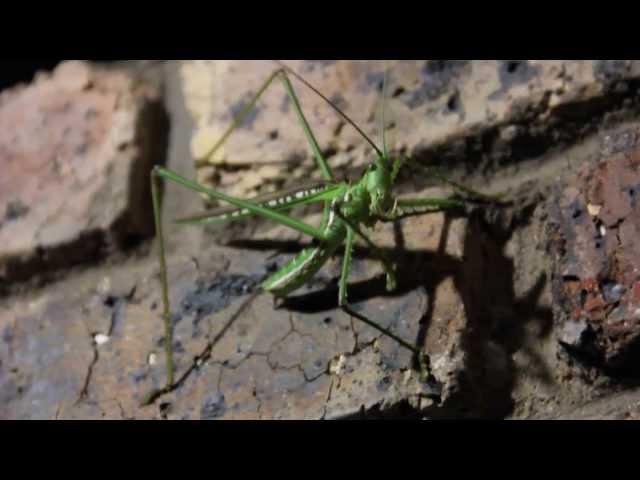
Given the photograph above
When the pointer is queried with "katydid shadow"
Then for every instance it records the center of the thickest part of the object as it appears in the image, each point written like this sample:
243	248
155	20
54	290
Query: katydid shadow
496	318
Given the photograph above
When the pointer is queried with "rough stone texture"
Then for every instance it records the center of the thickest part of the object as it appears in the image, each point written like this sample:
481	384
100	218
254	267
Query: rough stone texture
97	351
619	406
475	290
76	148
447	112
595	224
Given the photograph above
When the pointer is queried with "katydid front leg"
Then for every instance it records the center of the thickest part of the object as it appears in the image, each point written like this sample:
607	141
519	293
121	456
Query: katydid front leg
421	357
352	230
419	206
386	263
469	192
342	292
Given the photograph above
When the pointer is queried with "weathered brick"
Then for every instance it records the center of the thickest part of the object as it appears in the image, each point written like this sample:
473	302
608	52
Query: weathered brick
76	148
594	227
473	291
448	112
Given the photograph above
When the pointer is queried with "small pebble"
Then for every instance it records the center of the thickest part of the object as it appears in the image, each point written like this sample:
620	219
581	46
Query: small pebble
593	209
153	359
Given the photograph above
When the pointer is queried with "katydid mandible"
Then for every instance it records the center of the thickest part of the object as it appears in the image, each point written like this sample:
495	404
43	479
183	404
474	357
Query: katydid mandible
347	207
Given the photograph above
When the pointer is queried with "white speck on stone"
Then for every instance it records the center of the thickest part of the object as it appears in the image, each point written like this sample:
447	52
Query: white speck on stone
101	338
37	304
439	362
509	133
104	286
153	359
337	366
572	331
593	209
603	231
637	313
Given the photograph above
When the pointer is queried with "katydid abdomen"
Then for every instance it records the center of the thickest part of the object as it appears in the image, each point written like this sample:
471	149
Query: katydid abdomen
299	270
307	263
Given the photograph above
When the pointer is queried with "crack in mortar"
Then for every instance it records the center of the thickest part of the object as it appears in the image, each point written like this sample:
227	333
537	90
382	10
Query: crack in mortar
85	387
122	412
327	400
118	308
202	359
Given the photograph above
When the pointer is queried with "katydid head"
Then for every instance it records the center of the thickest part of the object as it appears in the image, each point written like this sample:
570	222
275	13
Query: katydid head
380	175
378	184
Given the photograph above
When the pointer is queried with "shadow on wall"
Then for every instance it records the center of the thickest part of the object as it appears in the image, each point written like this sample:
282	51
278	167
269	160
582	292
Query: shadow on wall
497	315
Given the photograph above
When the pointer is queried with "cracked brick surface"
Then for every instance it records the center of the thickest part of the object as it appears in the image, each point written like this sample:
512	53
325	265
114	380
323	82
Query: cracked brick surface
473	290
275	363
596	222
269	363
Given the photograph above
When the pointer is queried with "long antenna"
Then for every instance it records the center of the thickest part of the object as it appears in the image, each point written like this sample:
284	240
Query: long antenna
334	106
384	101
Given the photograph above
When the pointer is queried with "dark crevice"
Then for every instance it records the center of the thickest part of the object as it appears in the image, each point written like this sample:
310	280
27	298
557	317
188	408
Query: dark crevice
402	410
23	71
84	391
540	129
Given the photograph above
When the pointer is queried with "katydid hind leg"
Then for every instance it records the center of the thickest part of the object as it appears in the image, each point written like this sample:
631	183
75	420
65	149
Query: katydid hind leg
166	306
237	121
294	197
337	109
157	174
264	212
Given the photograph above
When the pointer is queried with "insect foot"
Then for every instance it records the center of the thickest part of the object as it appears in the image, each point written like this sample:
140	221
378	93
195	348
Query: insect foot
392	280
423	366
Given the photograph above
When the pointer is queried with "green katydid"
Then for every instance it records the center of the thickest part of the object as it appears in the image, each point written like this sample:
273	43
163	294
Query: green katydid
347	207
